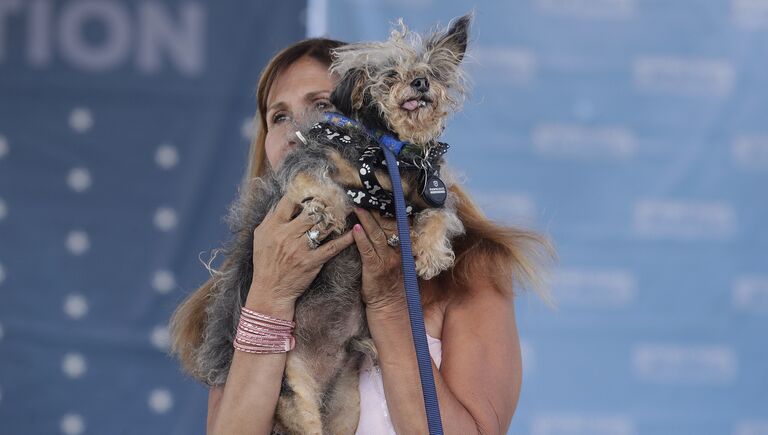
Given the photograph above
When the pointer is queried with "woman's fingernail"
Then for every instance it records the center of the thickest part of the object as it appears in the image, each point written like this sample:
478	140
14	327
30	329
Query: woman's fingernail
357	227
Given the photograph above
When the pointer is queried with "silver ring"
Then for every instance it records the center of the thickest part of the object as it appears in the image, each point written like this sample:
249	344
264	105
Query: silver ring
312	240
393	240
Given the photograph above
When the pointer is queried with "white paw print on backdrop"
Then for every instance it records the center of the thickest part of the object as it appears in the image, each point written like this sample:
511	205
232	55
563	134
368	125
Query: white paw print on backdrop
78	242
81	119
160	400
163	281
3	151
72	424
79	179
160	338
248	128
4	147
75	306
165	218
166	156
74	365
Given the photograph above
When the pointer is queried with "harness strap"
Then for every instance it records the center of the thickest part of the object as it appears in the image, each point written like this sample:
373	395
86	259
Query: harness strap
373	196
412	295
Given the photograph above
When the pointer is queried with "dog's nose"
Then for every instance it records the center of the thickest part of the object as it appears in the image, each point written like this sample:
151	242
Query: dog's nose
420	84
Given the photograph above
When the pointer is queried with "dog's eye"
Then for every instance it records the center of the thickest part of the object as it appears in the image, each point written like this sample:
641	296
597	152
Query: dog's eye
391	74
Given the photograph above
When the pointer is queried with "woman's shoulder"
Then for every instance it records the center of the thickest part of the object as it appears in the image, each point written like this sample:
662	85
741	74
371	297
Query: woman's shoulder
442	296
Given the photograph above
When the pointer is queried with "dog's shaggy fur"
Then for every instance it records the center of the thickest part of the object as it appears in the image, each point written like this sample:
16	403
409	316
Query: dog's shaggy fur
406	86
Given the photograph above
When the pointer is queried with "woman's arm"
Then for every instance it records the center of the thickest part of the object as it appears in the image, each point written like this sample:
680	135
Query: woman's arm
283	268
479	380
478	383
246	404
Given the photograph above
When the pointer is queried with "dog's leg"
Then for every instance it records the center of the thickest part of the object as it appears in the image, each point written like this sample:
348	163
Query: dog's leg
431	235
299	412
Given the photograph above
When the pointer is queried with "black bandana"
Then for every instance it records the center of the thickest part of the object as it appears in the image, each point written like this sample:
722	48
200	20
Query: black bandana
372	196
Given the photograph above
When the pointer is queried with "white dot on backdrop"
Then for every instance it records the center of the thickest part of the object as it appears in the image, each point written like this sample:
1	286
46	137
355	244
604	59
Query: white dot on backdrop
247	129
75	306
3	146
166	156
165	218
163	281
73	365
72	424
3	209
79	179
81	119
160	338
160	400
78	242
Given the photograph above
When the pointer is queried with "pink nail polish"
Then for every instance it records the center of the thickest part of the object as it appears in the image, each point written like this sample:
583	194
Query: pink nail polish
358	227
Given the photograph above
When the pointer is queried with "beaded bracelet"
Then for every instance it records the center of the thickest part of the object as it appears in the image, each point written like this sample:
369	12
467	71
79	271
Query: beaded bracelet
260	333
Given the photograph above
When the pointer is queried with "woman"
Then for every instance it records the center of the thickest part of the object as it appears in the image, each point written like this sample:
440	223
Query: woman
468	310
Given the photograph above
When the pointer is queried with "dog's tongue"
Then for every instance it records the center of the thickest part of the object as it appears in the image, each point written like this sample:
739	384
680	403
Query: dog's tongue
410	105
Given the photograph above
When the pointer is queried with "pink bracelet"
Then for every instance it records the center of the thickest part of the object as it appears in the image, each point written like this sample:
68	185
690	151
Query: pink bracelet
268	319
260	333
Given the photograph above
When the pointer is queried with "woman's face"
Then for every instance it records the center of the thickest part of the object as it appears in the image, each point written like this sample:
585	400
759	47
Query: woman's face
304	85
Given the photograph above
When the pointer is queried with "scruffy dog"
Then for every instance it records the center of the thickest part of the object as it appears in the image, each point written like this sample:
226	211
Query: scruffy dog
403	88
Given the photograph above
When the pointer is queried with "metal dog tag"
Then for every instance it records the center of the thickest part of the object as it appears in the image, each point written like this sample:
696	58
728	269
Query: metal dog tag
434	192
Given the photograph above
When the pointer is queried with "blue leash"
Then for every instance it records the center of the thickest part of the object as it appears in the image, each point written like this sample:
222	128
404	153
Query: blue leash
392	147
414	301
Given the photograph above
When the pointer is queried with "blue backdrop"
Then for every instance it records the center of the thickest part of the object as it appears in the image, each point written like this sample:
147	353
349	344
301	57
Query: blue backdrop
123	137
633	132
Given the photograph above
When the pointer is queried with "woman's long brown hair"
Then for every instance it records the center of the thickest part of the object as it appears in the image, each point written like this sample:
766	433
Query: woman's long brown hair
487	252
188	321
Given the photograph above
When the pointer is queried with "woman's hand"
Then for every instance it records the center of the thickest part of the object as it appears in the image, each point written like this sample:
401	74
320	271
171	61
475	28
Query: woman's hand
382	271
283	263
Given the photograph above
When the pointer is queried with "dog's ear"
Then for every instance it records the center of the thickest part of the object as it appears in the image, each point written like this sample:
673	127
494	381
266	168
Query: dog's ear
447	49
347	97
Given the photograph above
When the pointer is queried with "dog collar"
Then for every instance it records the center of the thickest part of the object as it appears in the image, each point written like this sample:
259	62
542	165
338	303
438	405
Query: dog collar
382	138
408	157
405	151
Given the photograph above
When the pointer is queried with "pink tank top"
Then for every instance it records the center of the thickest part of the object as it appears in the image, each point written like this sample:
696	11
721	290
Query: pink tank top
374	416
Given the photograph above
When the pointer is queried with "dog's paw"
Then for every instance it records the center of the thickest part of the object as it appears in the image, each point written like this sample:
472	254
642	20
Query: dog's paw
327	219
317	210
429	264
433	230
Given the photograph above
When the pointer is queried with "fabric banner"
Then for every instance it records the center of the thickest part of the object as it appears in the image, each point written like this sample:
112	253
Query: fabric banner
635	134
124	132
